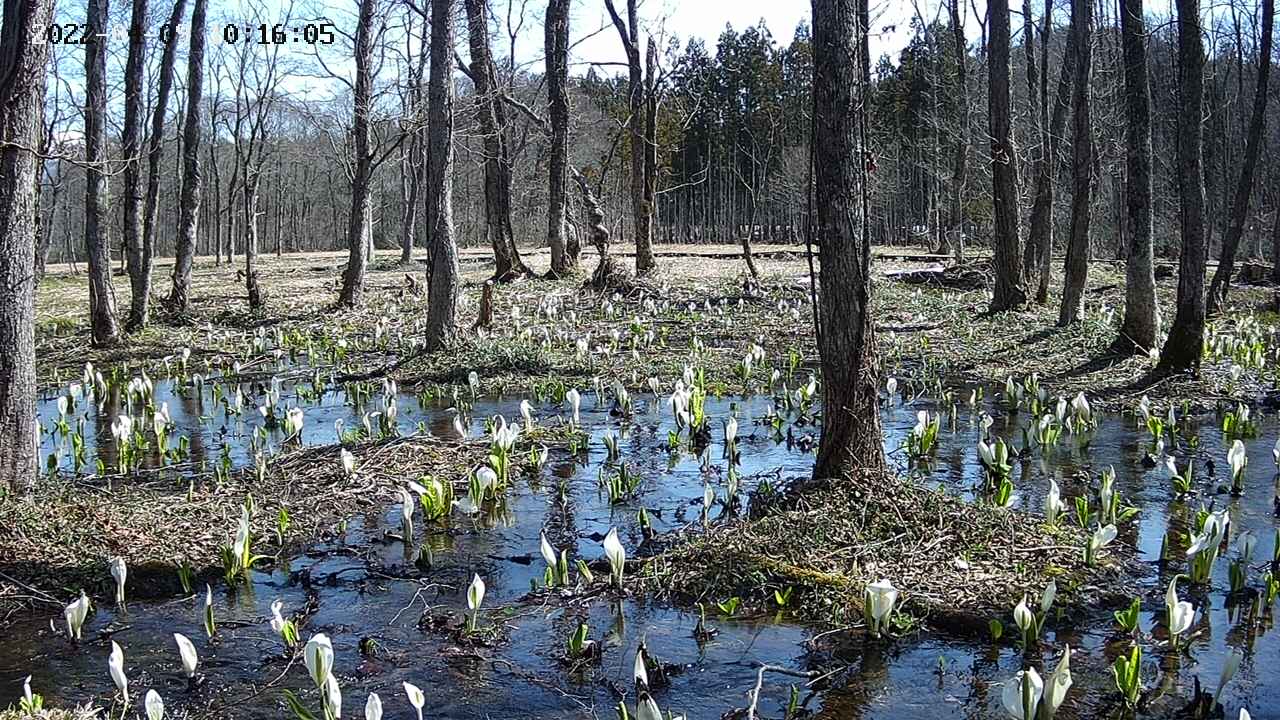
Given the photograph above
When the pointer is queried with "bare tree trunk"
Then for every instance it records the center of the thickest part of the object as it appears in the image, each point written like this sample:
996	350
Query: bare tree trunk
961	163
1221	283
1029	266
249	194
361	214
102	318
131	147
629	33
1076	268
1007	263
1275	247
155	150
557	62
497	158
1041	236
22	67
1141	309
1183	346
443	280
189	200
851	439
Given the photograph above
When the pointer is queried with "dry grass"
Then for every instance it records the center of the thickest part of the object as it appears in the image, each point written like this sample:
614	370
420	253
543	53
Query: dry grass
953	561
80	713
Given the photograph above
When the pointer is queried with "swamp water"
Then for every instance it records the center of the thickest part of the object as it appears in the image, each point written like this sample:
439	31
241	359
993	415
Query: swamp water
363	587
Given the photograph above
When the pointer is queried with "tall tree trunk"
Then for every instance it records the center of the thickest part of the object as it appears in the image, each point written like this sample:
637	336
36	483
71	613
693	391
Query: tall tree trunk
851	439
960	165
155	149
1007	263
557	62
102	307
1041	235
443	280
1029	266
629	33
497	157
189	200
1076	269
1141	309
1221	283
22	66
249	195
131	147
1183	346
361	214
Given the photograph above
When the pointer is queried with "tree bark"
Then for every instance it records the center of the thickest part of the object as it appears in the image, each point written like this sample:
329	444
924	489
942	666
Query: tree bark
557	52
1141	309
851	439
629	33
1221	283
131	147
1076	268
361	214
22	67
102	307
1041	235
189	199
1007	263
443	280
497	156
1182	348
960	165
155	153
1029	266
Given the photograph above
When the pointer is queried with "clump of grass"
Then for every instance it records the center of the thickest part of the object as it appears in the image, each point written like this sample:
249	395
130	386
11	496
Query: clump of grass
947	556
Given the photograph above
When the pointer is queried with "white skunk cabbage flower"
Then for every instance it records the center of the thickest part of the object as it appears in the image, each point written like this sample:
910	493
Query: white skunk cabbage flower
1023	616
1021	695
1080	406
1103	537
526	411
76	613
277	619
416	698
373	707
475	593
333	696
187	652
1048	596
154	705
1246	544
120	572
548	552
115	664
878	602
617	555
458	427
1180	612
1055	689
1053	504
318	656
891	385
1229	667
1237	459
639	671
731	430
406	508
348	462
575	402
295	419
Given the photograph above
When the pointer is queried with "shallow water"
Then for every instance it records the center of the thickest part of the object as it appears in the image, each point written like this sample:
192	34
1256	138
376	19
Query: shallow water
363	587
